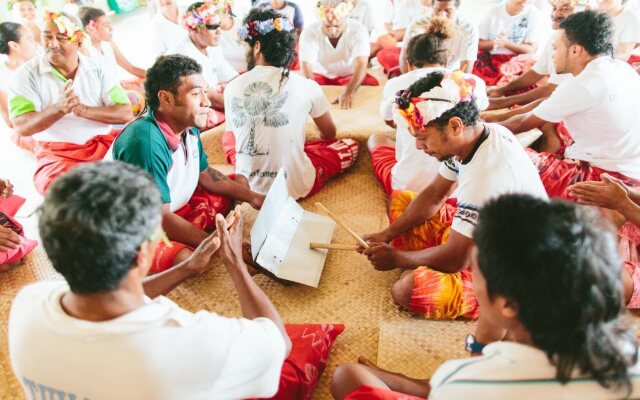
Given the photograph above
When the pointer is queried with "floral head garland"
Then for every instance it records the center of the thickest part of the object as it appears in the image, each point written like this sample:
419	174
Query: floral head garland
418	111
208	14
570	3
331	10
11	3
65	26
259	28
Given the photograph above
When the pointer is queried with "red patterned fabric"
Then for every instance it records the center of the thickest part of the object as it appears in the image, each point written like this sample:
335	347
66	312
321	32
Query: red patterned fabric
389	58
488	65
200	211
56	158
301	371
369	80
329	157
383	159
8	209
375	393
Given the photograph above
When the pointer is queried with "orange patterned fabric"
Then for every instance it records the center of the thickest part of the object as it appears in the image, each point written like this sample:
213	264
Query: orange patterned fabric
435	294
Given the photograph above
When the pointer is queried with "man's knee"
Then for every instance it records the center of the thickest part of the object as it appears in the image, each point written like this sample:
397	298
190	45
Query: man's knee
346	379
402	290
378	139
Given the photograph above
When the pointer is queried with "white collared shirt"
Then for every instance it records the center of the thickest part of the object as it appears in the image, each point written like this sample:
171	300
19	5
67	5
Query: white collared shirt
37	85
339	61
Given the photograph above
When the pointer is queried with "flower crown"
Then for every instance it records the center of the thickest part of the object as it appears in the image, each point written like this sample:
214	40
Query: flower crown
571	3
11	3
331	10
209	13
65	26
258	28
418	111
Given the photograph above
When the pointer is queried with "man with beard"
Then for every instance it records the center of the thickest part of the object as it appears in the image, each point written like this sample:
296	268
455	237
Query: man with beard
430	237
166	143
335	50
267	110
543	68
66	102
203	24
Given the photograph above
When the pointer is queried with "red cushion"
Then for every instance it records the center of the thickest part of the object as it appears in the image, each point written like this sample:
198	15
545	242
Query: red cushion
308	359
374	393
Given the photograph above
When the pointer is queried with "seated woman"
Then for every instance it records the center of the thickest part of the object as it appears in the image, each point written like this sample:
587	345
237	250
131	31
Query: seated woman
26	13
335	51
397	164
104	51
573	342
506	31
18	44
167	31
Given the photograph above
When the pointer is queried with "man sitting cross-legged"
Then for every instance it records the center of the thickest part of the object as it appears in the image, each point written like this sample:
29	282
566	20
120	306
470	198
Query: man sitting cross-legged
504	97
66	101
398	165
109	324
548	274
166	143
335	50
267	110
429	236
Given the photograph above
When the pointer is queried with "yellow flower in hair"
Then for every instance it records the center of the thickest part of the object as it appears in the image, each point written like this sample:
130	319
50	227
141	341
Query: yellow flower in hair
466	87
277	23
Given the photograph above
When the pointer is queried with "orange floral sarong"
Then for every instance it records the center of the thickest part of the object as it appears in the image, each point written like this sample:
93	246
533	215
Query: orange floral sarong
435	294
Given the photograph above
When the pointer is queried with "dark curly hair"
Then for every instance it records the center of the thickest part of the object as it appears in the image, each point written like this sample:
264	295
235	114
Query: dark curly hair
165	74
468	112
9	32
558	263
277	47
429	47
590	29
88	14
93	221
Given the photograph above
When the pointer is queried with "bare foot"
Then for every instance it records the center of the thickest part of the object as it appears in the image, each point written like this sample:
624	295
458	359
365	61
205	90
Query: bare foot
364	361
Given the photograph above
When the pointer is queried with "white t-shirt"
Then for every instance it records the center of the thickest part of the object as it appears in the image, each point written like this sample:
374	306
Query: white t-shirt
363	13
626	27
215	67
508	370
546	64
233	48
268	122
499	166
37	85
462	46
414	169
406	11
600	107
525	27
105	57
158	351
338	61
167	34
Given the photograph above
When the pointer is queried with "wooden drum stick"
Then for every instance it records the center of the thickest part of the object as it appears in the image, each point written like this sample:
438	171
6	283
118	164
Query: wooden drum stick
333	246
342	224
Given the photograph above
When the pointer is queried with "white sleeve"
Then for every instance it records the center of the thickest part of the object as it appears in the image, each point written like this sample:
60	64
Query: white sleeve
470	44
535	27
542	67
319	103
362	44
388	98
568	99
402	18
449	170
309	47
254	359
484	28
23	95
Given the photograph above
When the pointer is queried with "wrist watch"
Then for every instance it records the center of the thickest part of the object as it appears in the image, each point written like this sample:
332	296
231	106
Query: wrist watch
471	345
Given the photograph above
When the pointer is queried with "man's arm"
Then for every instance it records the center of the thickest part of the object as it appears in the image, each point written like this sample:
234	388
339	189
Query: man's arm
519	48
524	81
499	117
522	123
180	230
326	126
466	66
124	63
307	70
541	92
216	182
113	114
4	109
423	207
37	121
485	45
360	71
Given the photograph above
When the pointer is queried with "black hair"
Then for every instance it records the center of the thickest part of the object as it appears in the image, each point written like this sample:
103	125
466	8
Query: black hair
429	47
558	263
277	47
88	14
590	29
93	221
467	111
165	74
9	32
